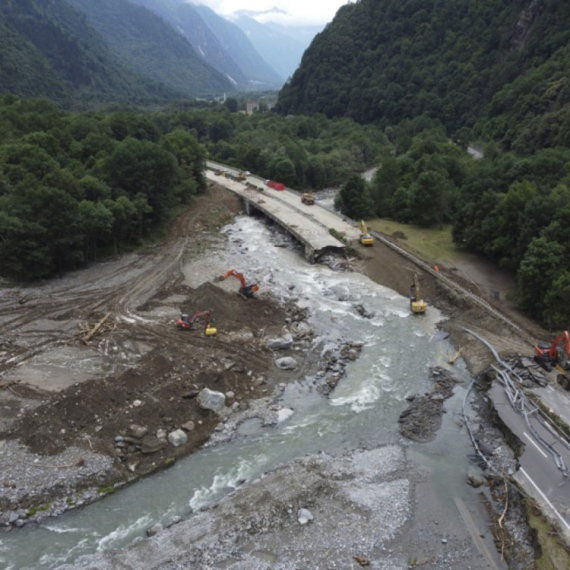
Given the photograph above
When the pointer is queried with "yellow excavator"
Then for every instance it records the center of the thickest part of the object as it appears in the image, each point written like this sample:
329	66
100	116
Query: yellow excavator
417	304
365	237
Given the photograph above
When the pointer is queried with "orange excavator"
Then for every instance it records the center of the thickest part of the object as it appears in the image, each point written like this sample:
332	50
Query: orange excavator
247	290
186	323
555	354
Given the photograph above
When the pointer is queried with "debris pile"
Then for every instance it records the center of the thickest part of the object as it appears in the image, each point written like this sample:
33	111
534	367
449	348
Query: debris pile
421	420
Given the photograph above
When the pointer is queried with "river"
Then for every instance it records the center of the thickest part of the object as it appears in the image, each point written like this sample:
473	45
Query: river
399	349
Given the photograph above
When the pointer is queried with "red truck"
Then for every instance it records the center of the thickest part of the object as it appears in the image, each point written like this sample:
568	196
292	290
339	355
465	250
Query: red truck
275	185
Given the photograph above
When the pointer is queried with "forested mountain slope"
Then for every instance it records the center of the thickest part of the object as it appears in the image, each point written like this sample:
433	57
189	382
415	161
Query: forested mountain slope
145	43
495	68
281	51
221	43
234	41
49	50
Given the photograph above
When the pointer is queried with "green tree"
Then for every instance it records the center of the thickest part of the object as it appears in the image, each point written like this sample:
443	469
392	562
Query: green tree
540	267
231	104
556	310
354	199
283	170
384	185
96	225
143	168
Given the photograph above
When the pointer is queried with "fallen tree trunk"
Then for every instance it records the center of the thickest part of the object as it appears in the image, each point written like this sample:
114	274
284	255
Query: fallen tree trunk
94	330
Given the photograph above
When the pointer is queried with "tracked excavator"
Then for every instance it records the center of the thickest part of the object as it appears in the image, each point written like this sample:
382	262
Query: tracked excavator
246	290
417	304
365	237
186	323
555	355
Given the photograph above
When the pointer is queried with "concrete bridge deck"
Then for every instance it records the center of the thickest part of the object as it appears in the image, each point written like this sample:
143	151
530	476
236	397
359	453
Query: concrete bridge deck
308	224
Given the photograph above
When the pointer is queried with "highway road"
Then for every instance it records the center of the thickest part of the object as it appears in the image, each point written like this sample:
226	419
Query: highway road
317	213
545	462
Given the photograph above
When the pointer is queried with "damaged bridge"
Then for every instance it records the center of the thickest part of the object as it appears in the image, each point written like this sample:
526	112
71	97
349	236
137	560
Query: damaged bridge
309	224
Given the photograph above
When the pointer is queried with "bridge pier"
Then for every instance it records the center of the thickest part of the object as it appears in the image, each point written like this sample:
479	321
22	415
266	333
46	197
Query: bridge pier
247	207
310	254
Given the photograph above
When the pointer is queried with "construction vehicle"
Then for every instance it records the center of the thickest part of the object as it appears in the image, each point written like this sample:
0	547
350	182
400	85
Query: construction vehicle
186	323
246	290
417	304
242	176
555	354
365	237
308	199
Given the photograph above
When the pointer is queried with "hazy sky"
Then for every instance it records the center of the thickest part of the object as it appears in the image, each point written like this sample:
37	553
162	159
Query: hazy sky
298	11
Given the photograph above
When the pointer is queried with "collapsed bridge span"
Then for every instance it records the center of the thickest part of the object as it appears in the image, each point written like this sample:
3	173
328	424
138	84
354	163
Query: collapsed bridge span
309	224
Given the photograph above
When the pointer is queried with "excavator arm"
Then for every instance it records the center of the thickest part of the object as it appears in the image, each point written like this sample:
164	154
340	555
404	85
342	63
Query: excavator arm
365	237
233	273
417	304
205	314
564	339
247	290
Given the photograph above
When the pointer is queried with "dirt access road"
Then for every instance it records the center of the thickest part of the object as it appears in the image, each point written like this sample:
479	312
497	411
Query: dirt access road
58	393
94	411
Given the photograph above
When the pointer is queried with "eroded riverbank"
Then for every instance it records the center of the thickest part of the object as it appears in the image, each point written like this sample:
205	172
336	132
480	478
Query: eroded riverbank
400	368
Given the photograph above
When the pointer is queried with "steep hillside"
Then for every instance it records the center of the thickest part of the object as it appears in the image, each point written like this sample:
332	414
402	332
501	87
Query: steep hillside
233	39
495	67
221	43
282	52
147	44
49	50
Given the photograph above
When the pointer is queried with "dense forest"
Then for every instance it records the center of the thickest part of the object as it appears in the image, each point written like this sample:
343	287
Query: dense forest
513	209
302	152
78	186
48	49
490	69
435	75
74	187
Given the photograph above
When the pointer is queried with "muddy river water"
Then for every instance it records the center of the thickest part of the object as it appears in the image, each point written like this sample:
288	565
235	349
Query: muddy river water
362	411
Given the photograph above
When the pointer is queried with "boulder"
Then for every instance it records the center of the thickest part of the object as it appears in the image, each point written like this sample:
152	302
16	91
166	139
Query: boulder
152	444
211	400
304	516
138	431
286	363
177	438
154	529
283	343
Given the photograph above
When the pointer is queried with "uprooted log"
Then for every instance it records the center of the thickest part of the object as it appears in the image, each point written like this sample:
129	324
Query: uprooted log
93	330
455	357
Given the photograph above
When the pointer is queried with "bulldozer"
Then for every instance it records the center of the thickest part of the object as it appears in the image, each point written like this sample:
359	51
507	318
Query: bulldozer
186	323
365	237
246	290
417	305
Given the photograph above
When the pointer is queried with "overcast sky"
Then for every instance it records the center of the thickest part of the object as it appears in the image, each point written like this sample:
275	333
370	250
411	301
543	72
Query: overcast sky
297	11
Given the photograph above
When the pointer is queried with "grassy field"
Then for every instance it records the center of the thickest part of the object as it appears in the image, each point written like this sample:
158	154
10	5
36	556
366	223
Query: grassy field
430	244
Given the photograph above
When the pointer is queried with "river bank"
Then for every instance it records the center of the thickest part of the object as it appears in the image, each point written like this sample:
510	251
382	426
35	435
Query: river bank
159	394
